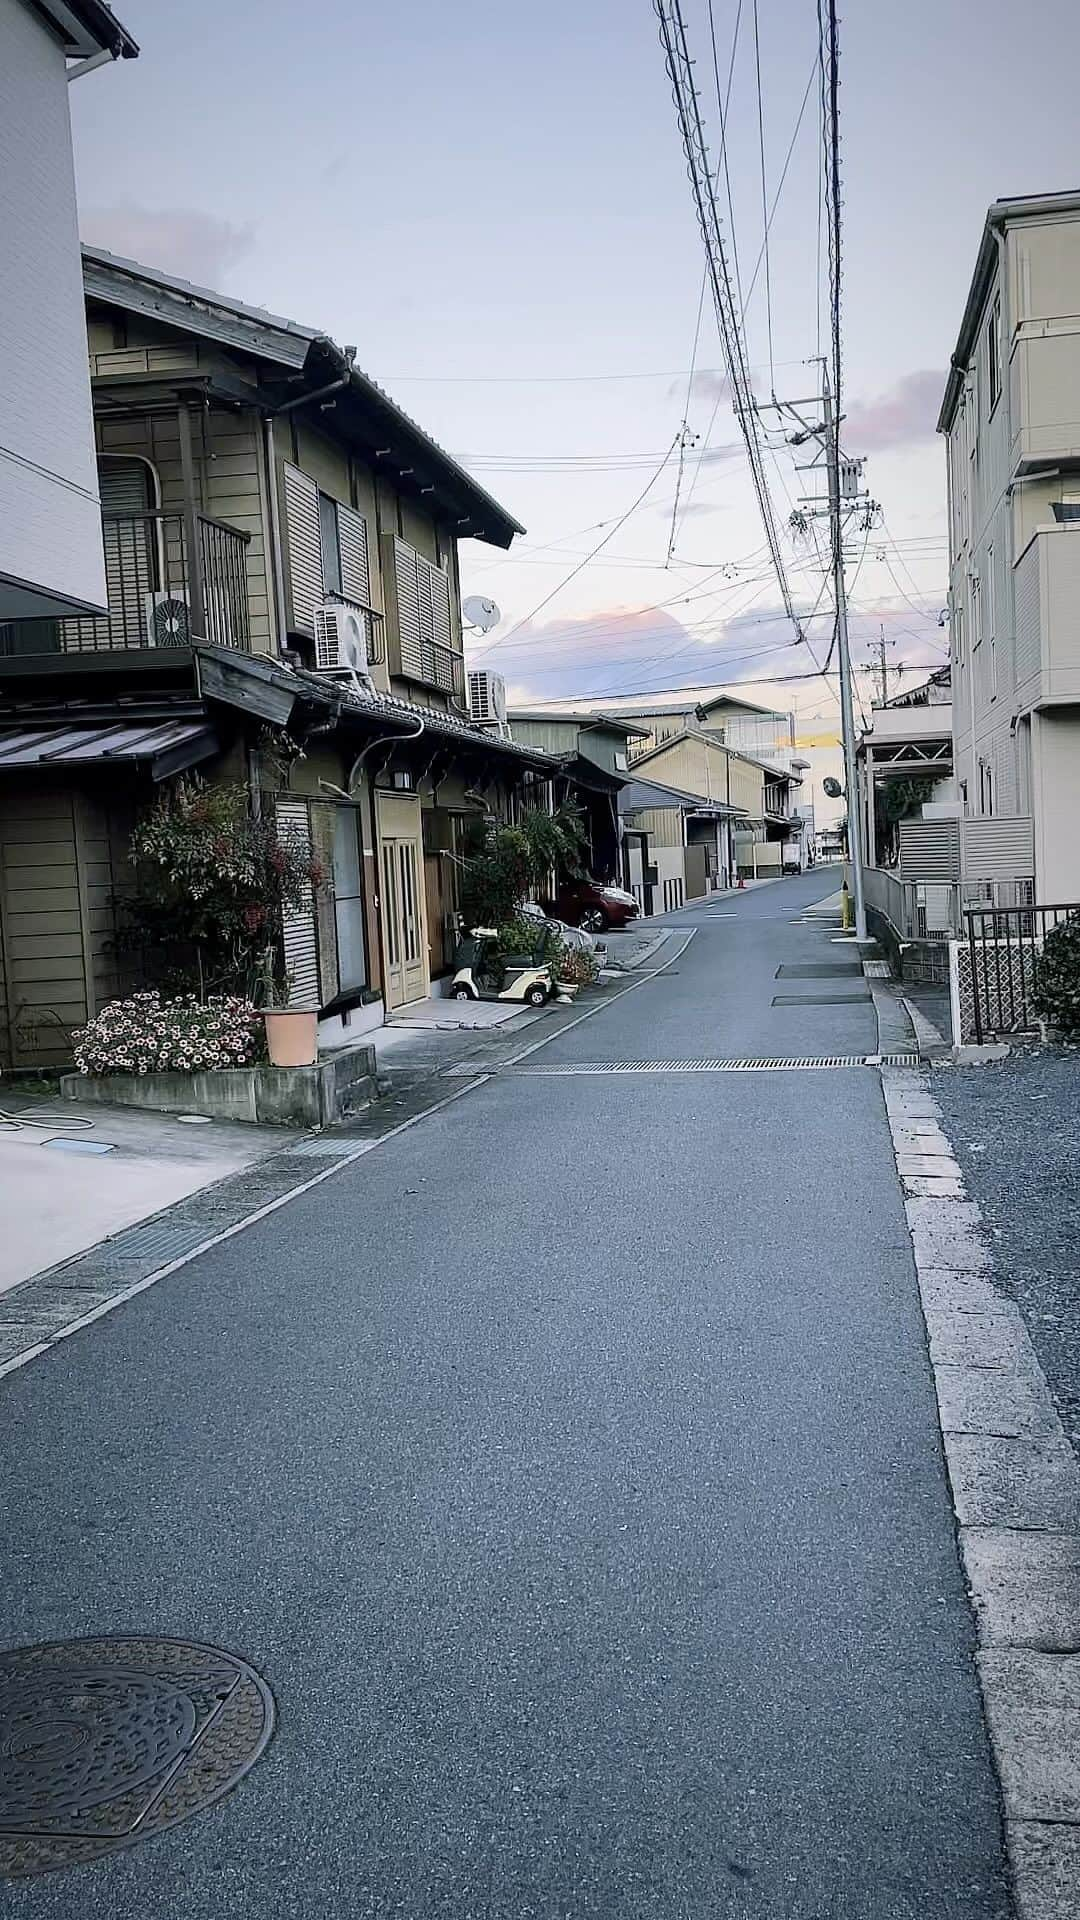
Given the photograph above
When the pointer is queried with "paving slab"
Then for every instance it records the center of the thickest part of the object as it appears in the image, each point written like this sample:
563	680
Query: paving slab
946	1234
943	1289
1033	1712
963	1338
1025	1587
1002	1401
1004	1482
1046	1868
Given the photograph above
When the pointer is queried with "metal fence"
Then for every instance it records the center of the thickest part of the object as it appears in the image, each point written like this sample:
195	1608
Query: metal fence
1003	946
914	909
155	599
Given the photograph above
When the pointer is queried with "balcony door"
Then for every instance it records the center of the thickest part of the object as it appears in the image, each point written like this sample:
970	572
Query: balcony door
131	556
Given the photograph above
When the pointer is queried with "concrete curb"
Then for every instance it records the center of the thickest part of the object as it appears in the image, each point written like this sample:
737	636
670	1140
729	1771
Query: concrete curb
1015	1486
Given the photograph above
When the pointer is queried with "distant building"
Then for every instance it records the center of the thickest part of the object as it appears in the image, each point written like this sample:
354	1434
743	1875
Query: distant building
1011	417
780	836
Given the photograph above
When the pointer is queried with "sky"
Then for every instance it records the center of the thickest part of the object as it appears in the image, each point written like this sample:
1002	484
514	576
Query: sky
491	203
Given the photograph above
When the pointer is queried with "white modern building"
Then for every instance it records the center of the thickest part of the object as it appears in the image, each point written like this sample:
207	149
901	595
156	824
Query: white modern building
51	556
1011	417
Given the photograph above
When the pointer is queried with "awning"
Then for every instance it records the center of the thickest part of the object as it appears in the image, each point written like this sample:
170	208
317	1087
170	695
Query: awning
166	747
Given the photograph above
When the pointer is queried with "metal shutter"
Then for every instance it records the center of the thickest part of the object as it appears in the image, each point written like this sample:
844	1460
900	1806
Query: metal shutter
305	548
298	923
353	546
929	850
423	607
1001	847
410	633
439	588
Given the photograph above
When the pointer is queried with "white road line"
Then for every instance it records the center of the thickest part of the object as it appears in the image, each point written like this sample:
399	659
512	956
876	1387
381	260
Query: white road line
305	1186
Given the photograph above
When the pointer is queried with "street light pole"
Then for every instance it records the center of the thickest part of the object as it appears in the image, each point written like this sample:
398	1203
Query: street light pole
847	711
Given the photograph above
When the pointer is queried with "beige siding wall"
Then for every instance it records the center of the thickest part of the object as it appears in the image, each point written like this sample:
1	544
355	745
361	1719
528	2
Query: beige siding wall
549	736
699	765
227	485
63	854
386	512
664	826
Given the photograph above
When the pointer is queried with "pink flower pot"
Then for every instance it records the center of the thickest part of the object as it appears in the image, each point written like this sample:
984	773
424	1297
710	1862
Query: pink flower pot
292	1038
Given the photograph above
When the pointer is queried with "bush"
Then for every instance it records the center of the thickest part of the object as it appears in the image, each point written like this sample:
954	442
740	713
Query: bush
147	1034
1056	994
504	865
577	966
211	885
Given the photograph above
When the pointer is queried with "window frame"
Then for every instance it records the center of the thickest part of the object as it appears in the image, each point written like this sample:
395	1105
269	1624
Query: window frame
994	369
328	519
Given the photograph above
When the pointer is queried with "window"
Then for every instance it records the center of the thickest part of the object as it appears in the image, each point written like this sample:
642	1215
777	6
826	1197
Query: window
331	544
990	621
957	632
993	357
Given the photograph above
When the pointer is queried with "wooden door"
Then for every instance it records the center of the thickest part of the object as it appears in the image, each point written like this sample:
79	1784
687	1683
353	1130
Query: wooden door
404	920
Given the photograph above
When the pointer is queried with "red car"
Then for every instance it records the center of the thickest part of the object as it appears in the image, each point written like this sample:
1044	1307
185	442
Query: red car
595	905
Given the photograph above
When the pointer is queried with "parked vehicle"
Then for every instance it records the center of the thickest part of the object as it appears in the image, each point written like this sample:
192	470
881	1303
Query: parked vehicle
595	906
578	939
483	973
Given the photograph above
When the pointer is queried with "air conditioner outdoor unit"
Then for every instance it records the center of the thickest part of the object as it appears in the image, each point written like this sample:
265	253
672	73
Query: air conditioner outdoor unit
340	639
487	699
168	620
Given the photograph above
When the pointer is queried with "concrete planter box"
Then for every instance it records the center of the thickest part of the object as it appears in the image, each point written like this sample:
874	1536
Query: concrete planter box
268	1096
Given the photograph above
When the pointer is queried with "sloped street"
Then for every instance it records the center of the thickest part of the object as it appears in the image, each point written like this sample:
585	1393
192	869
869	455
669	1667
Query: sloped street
569	1469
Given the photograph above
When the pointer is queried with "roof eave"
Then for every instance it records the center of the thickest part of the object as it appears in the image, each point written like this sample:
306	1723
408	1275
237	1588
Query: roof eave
88	28
998	217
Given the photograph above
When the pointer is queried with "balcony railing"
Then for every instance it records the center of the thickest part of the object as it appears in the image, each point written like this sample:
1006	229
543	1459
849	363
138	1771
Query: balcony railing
157	598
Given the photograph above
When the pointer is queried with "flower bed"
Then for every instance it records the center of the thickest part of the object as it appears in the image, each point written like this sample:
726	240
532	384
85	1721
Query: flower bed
147	1034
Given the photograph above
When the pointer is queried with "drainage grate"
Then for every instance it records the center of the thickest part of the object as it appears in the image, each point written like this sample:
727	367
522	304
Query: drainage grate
813	1064
822	970
105	1742
819	999
319	1147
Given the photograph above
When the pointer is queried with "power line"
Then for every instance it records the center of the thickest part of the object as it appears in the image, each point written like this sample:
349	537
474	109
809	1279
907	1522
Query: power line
763	250
723	107
764	201
688	109
582	564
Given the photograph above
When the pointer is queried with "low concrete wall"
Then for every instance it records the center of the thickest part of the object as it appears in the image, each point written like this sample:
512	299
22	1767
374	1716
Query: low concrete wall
265	1096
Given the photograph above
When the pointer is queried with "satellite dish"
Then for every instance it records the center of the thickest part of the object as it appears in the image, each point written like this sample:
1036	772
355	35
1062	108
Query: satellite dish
480	613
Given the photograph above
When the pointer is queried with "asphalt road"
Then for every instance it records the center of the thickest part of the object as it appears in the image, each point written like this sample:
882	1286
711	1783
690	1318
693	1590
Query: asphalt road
569	1467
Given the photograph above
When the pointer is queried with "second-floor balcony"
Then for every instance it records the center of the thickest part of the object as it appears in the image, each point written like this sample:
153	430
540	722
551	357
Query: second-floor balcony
174	579
1047	596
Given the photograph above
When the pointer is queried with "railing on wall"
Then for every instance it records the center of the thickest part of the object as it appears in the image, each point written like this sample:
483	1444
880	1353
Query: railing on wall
999	955
914	909
155	597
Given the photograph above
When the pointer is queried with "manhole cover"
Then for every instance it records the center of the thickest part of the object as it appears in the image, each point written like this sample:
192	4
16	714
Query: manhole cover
105	1742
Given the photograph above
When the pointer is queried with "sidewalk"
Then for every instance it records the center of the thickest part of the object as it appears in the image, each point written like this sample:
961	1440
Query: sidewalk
72	1176
988	1160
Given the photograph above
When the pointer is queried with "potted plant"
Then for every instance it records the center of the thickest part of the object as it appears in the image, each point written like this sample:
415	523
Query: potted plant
292	1032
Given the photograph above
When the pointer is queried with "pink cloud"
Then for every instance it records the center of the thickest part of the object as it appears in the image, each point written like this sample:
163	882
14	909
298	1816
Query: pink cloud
906	413
182	241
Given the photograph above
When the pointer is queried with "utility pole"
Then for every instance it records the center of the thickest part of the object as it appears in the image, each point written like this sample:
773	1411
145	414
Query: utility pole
847	710
882	665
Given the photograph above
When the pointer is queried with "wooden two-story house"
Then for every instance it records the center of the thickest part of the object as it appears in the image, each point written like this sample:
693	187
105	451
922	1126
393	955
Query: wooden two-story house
281	546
